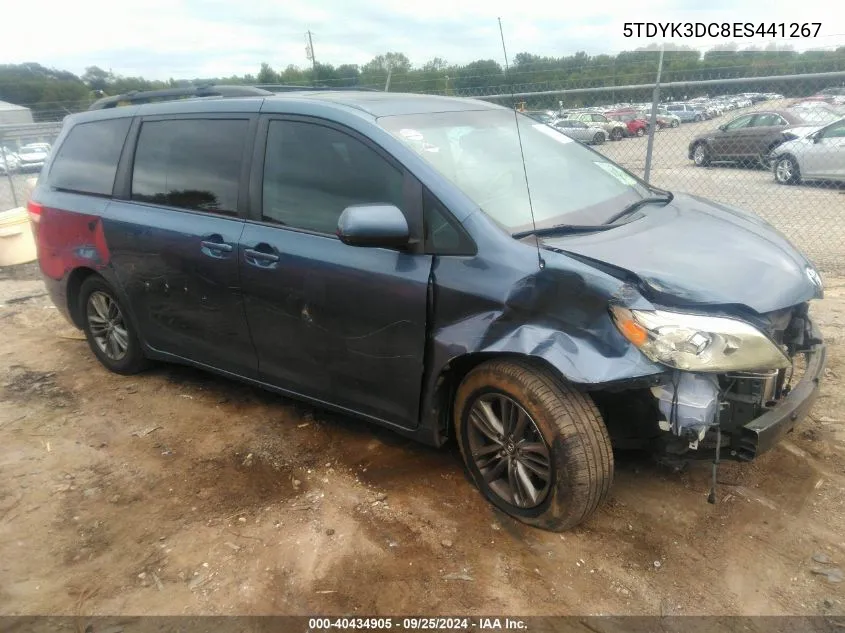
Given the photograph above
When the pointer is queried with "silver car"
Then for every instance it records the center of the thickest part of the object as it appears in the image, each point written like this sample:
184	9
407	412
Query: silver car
816	154
580	131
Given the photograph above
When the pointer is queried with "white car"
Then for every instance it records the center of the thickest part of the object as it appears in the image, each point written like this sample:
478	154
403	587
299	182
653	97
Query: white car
32	157
9	161
816	154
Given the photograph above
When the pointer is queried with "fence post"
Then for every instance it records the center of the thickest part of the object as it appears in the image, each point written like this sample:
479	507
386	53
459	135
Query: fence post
8	174
652	128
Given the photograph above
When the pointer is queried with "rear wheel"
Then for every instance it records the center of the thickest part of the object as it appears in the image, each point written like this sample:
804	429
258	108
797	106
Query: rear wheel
640	131
536	448
110	334
698	118
616	134
787	171
675	123
701	155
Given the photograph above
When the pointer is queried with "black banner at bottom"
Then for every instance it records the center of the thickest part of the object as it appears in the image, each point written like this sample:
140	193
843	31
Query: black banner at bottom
316	624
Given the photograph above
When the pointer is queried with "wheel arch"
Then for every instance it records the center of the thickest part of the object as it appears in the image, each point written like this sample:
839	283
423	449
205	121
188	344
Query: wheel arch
456	369
74	284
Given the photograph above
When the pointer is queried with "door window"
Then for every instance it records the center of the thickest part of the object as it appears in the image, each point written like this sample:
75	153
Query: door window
740	122
313	172
190	163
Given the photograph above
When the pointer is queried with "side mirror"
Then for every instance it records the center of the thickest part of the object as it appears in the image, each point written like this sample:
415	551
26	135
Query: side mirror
377	225
817	137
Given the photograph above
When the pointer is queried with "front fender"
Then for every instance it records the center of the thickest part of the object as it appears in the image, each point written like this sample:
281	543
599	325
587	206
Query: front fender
558	314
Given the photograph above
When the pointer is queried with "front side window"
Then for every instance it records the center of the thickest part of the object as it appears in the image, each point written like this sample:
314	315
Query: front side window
740	122
479	152
87	160
835	131
313	172
190	163
768	119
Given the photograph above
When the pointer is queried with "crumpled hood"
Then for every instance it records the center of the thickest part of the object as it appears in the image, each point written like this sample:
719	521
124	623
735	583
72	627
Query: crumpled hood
698	252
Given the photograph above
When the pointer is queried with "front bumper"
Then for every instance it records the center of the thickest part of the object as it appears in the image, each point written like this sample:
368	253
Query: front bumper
762	433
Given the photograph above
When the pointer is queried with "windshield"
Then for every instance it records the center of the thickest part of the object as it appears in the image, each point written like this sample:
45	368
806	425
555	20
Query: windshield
479	152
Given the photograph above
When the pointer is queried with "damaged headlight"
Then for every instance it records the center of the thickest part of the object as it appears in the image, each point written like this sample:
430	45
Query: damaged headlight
698	343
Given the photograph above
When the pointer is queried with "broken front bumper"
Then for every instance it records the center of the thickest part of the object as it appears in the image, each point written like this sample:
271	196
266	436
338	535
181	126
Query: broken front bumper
762	433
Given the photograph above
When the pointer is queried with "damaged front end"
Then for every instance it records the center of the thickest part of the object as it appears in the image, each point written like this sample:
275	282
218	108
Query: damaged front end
740	387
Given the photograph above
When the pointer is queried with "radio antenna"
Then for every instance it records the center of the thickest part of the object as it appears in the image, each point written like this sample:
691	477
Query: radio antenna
540	261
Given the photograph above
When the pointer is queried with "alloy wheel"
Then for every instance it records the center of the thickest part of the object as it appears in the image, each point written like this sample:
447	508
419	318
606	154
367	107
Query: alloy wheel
509	451
107	326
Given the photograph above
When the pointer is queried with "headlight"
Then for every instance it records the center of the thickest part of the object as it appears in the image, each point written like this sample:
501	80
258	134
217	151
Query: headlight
698	343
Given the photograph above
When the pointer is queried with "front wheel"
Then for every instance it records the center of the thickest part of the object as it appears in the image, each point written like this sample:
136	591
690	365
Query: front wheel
536	448
110	334
698	118
675	123
786	171
640	131
700	155
616	134
598	139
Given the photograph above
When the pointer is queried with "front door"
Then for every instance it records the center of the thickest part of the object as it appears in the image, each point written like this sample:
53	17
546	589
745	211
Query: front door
340	324
826	157
174	239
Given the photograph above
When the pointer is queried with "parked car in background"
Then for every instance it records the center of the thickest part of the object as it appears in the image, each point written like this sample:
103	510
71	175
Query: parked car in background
615	129
685	112
9	161
394	266
581	131
816	154
749	138
662	118
543	116
634	126
32	158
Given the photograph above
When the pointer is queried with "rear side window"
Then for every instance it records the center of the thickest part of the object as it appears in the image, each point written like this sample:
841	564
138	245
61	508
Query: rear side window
190	163
87	160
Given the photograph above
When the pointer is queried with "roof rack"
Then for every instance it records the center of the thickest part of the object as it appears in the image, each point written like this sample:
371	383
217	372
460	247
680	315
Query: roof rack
137	97
294	88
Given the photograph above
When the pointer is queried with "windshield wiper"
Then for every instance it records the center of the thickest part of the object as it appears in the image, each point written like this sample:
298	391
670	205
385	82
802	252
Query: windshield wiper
562	229
666	199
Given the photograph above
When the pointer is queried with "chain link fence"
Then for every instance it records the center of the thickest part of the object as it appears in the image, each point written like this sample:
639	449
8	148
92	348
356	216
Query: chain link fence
771	145
776	148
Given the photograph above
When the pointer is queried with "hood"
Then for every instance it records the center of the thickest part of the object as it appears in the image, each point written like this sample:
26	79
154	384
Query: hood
698	252
802	131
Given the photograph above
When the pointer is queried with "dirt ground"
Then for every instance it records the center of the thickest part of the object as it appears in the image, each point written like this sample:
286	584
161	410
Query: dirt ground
176	492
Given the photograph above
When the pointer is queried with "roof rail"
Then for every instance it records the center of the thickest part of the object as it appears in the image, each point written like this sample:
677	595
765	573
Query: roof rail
206	90
295	88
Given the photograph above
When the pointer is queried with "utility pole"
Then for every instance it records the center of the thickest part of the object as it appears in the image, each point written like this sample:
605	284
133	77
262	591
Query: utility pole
389	74
652	128
309	52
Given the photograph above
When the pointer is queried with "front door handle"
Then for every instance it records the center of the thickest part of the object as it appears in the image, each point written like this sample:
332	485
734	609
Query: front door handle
216	246
261	256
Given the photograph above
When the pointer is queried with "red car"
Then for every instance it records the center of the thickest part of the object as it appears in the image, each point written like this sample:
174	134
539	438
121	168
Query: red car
635	125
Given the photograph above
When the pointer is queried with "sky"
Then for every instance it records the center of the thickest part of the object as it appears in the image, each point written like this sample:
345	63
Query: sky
183	39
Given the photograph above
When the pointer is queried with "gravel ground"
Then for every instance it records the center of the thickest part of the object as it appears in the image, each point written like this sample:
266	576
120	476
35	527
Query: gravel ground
177	492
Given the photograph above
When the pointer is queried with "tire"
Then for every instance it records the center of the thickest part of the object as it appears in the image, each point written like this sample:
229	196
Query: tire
598	139
786	171
108	328
555	418
640	131
698	118
675	123
616	134
701	155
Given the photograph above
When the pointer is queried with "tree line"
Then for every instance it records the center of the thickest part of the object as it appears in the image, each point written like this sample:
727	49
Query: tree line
52	93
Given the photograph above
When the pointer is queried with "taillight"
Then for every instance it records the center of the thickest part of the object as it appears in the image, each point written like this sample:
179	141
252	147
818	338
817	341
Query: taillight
35	210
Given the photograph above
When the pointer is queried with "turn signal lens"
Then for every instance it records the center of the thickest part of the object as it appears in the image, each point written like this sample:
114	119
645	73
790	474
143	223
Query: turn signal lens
633	331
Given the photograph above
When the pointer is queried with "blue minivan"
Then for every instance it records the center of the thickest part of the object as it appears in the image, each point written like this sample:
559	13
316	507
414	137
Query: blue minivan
444	267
